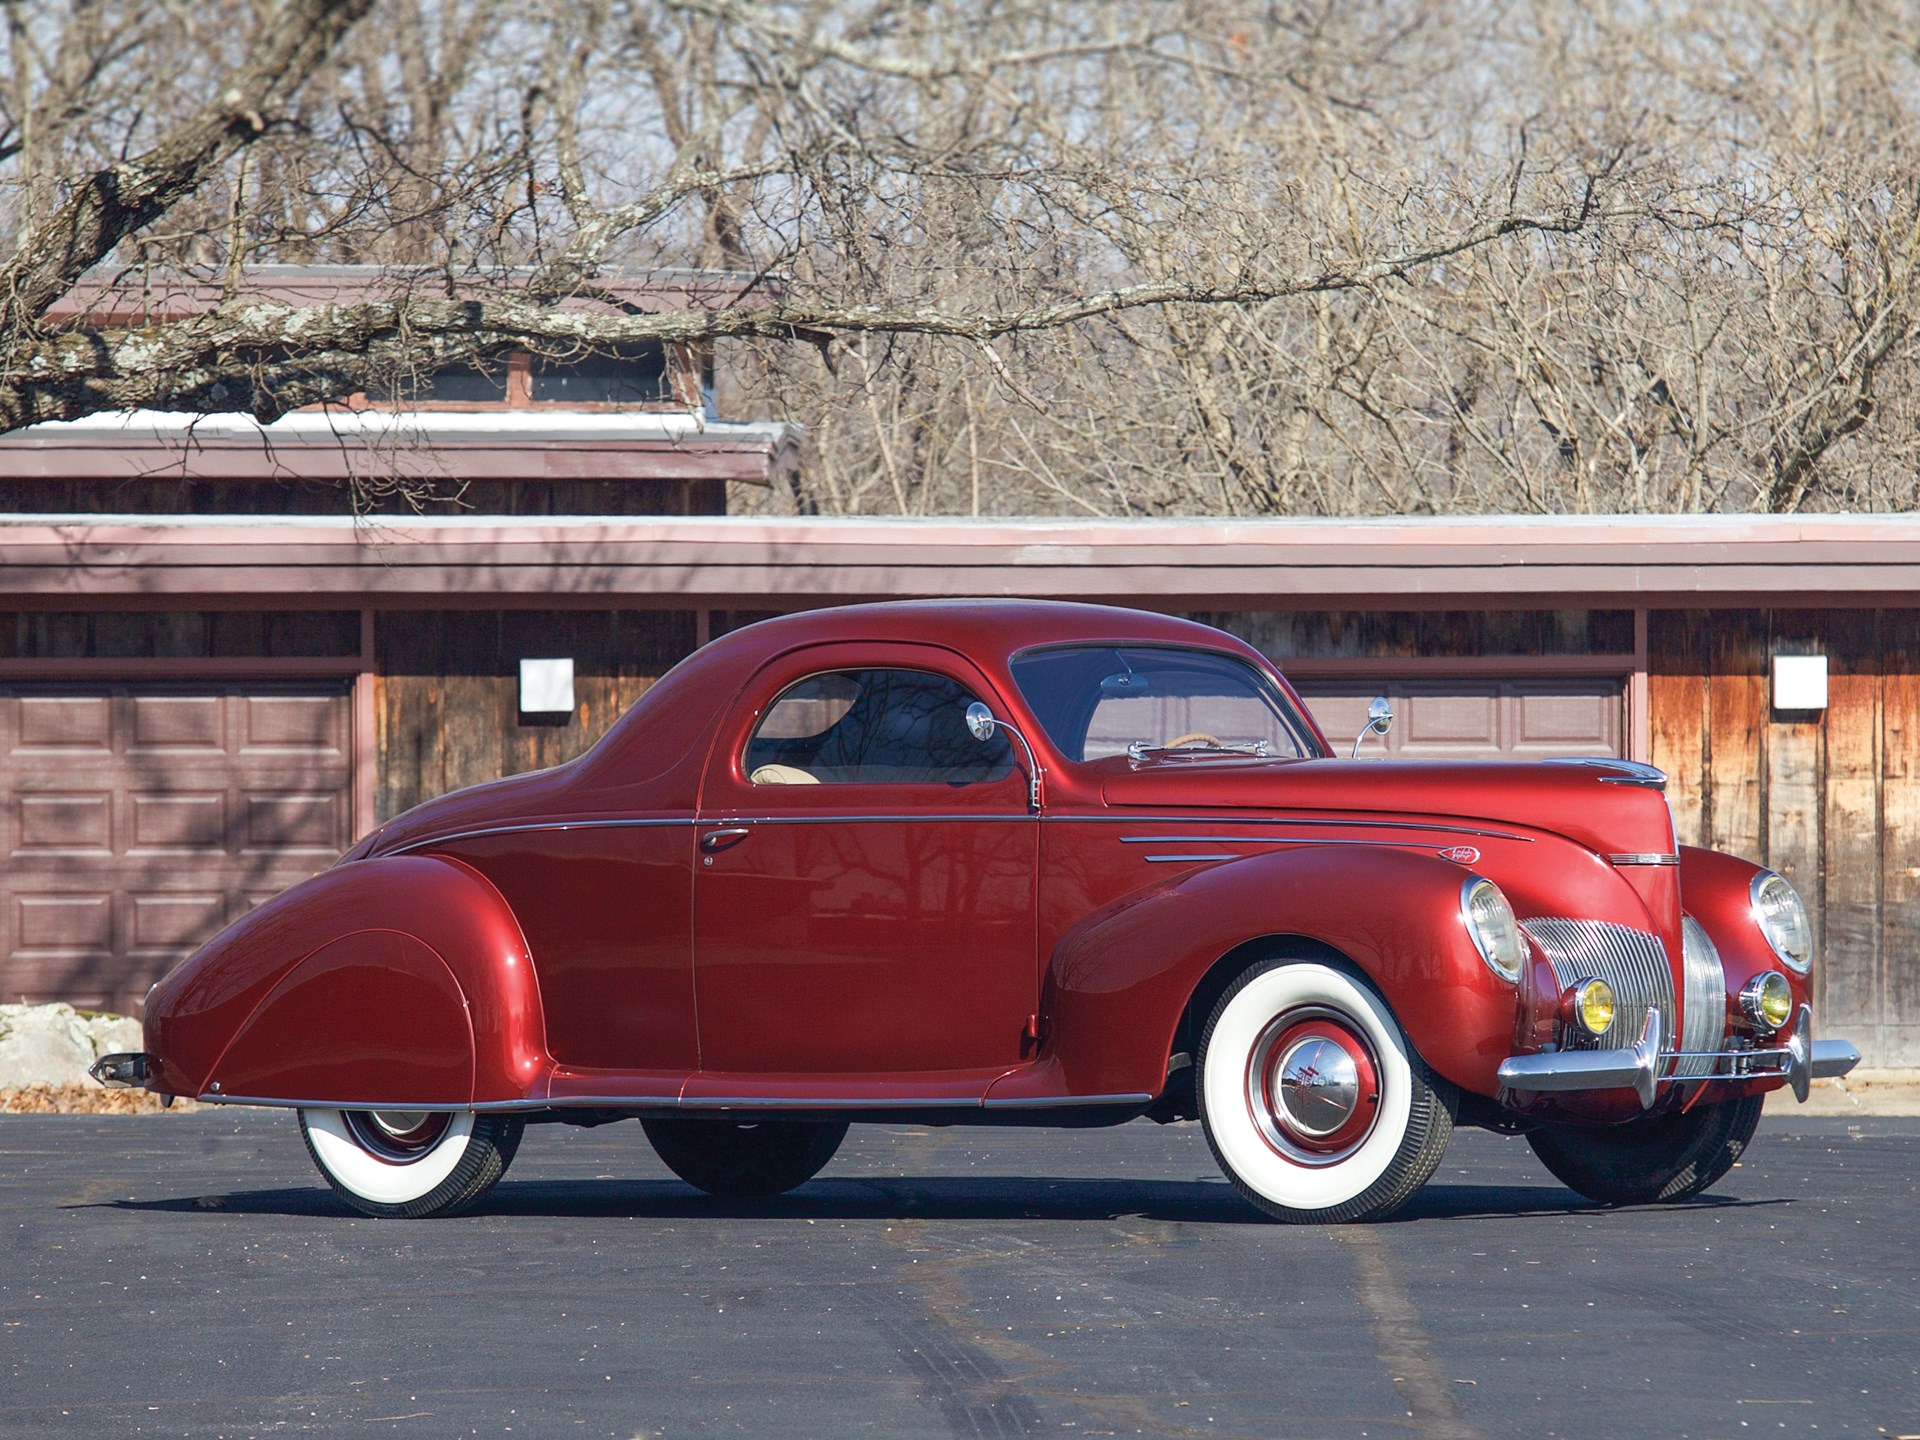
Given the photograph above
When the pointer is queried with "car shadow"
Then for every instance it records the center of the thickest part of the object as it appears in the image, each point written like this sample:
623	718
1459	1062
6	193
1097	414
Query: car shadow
927	1197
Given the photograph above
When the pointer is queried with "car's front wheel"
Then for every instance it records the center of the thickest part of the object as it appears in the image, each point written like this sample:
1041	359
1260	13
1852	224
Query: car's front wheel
409	1164
1663	1157
1315	1105
745	1160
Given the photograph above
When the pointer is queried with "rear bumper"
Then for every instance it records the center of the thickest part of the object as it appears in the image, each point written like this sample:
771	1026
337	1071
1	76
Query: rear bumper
121	1071
1646	1067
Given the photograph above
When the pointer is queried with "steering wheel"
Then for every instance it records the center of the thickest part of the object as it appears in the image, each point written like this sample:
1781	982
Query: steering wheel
1194	737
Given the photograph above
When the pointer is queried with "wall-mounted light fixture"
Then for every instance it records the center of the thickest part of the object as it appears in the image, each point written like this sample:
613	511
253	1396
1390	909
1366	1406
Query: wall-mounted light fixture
1799	682
546	687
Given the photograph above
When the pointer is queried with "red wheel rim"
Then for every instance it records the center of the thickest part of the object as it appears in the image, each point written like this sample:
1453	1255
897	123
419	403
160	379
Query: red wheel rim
1313	1086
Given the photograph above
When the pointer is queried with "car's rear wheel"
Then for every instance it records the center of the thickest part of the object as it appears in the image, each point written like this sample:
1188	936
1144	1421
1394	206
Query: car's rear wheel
1662	1157
1315	1105
744	1159
409	1164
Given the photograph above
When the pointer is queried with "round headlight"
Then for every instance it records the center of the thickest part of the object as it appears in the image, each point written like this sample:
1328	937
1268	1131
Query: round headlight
1590	1006
1783	920
1767	1000
1490	921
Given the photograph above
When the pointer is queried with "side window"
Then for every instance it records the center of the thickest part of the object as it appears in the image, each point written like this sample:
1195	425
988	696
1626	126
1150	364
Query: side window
873	727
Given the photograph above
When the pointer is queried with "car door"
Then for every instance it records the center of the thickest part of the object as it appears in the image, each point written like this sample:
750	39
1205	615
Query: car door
865	889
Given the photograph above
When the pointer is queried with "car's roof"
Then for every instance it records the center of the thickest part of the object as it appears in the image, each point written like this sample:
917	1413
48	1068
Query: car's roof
975	627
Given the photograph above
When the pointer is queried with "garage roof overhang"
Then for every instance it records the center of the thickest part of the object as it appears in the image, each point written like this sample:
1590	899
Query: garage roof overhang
752	563
335	445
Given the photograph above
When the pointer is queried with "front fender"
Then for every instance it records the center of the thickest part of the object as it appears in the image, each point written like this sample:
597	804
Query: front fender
401	980
1717	891
1120	980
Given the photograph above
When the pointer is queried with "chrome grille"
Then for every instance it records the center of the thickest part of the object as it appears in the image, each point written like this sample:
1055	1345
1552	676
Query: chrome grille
1632	962
1703	1020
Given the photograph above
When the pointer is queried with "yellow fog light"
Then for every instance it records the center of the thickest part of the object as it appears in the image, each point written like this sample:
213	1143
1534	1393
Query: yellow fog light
1589	1004
1768	1001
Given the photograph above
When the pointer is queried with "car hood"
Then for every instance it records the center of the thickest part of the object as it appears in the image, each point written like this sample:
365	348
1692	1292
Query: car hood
1593	805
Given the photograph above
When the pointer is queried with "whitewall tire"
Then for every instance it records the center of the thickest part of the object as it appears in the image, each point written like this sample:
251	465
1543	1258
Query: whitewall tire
410	1164
1315	1105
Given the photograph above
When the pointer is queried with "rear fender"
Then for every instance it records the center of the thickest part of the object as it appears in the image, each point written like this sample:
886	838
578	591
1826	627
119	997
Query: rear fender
1119	981
401	980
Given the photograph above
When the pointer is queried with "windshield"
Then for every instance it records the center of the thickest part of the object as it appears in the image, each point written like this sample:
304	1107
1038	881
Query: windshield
1097	701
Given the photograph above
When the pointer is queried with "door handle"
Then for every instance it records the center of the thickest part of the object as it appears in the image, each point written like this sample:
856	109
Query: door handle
715	841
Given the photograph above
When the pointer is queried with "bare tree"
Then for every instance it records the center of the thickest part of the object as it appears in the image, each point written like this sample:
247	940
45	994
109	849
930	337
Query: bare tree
804	138
1151	256
1732	327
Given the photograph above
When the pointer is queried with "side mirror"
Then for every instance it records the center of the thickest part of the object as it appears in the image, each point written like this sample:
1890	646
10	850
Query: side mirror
983	727
1379	721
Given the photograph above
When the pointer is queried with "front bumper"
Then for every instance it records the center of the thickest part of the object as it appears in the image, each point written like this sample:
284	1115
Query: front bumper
1646	1067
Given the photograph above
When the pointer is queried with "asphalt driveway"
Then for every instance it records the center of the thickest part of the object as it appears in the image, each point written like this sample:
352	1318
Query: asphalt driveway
189	1275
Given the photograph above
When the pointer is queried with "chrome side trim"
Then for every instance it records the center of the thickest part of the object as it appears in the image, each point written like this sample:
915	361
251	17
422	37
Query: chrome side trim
485	831
1268	840
479	834
591	1102
1066	1102
1170	859
1643	858
660	1102
976	816
768	1102
1296	822
215	1097
952	1102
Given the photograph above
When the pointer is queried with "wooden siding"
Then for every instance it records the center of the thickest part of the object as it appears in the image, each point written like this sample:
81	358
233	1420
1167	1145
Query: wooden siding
1830	799
1339	634
177	634
446	697
276	495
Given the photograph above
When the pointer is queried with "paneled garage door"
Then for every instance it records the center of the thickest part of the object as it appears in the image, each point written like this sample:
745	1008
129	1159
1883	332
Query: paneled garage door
139	819
1475	720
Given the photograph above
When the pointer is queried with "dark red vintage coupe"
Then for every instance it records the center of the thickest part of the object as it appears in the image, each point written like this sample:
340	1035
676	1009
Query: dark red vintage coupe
1009	863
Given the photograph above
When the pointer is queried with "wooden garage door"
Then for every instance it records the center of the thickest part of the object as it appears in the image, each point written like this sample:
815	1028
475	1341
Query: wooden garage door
1475	720
139	819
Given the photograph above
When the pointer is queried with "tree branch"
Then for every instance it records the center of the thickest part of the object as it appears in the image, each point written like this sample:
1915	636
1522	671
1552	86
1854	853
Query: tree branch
130	195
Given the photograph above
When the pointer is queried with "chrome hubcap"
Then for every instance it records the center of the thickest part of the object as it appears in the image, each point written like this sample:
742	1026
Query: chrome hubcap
1319	1086
1313	1085
397	1123
398	1137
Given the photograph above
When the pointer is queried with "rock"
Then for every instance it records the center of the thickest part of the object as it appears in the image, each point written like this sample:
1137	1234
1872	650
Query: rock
54	1044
